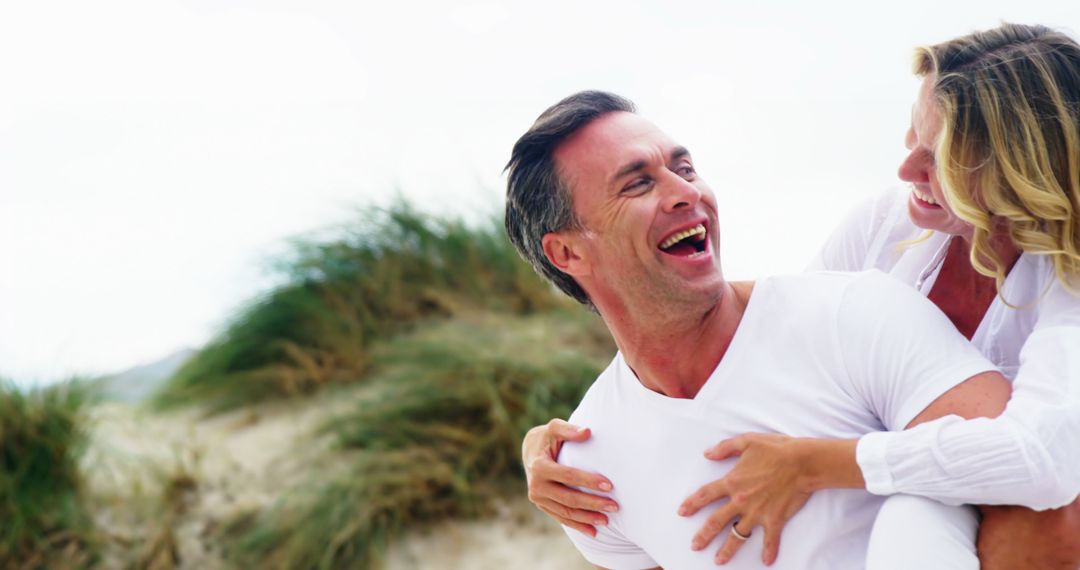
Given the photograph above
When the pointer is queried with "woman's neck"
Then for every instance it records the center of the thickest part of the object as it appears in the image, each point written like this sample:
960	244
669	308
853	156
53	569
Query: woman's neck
961	292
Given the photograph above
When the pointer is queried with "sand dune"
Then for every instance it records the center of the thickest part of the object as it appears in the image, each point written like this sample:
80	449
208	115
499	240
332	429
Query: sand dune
518	537
162	484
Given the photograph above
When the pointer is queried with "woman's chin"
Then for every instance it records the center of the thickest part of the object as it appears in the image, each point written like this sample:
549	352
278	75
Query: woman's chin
937	219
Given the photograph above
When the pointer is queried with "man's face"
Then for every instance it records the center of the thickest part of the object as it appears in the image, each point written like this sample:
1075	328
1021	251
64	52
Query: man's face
650	226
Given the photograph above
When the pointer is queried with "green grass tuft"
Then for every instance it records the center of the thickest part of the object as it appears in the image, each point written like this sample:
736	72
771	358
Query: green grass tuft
460	347
394	268
43	520
438	439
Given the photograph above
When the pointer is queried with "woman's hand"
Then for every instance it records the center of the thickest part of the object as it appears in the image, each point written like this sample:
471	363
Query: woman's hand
773	479
548	481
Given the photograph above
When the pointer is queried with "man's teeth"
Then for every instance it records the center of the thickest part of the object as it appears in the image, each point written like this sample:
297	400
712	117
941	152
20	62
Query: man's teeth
924	197
698	231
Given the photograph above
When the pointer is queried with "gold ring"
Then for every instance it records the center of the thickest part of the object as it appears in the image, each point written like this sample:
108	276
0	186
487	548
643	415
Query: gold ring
735	532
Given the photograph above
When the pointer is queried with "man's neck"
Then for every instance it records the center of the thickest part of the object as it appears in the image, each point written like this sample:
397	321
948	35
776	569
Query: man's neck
674	354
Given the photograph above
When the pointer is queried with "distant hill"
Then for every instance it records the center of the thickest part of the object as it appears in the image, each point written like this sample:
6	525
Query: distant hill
136	384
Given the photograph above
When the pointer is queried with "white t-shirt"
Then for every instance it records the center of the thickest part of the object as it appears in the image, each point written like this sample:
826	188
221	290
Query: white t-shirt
822	355
1028	456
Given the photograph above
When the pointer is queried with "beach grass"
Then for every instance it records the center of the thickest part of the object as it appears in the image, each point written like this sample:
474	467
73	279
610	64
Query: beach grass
438	439
368	281
160	550
43	518
453	346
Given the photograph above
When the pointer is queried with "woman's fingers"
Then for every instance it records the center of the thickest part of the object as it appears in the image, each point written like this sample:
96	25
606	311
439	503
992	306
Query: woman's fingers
545	441
539	452
586	529
582	528
566	515
713	526
728	448
562	431
706	494
578	499
550	483
545	470
734	541
764	488
772	543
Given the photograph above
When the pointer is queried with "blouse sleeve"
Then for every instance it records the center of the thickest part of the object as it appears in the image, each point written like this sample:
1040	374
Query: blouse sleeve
849	246
1029	456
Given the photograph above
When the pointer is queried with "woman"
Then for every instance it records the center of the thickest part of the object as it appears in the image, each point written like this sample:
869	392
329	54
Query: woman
995	173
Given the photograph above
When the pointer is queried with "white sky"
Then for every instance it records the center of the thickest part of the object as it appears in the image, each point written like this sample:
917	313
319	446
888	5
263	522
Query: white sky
153	154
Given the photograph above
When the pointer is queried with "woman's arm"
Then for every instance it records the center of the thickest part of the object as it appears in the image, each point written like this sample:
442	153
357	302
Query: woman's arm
1026	457
776	474
550	483
854	241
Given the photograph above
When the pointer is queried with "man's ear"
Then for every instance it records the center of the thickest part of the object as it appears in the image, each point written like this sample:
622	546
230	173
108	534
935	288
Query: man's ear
564	251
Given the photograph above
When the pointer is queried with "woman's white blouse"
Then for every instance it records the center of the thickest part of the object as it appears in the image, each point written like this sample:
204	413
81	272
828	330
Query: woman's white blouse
1030	455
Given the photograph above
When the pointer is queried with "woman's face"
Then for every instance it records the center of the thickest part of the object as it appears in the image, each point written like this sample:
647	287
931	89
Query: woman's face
926	205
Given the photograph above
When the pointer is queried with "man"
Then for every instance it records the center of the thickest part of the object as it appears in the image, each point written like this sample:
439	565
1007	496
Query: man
611	210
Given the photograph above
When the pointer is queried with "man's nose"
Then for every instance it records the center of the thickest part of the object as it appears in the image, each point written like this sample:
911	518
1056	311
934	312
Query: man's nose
680	193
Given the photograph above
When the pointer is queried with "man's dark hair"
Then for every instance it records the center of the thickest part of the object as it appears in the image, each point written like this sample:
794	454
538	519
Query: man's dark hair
538	201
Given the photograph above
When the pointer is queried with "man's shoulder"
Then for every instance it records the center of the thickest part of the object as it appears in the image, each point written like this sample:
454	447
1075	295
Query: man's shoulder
603	409
832	280
601	395
825	299
873	288
838	284
805	293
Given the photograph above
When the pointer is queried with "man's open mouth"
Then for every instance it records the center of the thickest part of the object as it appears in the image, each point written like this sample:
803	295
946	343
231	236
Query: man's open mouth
685	243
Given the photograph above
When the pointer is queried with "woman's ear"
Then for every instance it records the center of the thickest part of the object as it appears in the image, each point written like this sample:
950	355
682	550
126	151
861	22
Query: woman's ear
566	252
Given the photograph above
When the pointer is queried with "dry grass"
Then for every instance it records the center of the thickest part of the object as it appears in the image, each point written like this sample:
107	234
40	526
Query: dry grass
464	349
372	281
440	441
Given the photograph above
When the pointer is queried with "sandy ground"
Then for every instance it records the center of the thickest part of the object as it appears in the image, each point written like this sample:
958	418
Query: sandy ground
518	537
220	467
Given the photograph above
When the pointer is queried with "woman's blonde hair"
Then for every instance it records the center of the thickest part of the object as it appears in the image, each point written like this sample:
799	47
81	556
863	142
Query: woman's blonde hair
1010	142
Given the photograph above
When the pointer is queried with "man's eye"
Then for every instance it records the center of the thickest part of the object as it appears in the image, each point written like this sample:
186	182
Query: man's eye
638	185
686	171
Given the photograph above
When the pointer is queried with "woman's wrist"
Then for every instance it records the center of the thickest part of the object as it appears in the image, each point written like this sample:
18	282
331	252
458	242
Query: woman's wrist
829	464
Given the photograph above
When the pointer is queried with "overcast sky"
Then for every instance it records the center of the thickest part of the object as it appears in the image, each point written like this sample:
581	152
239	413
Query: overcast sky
155	154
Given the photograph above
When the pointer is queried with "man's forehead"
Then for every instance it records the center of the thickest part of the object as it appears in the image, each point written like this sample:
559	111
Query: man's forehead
609	140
